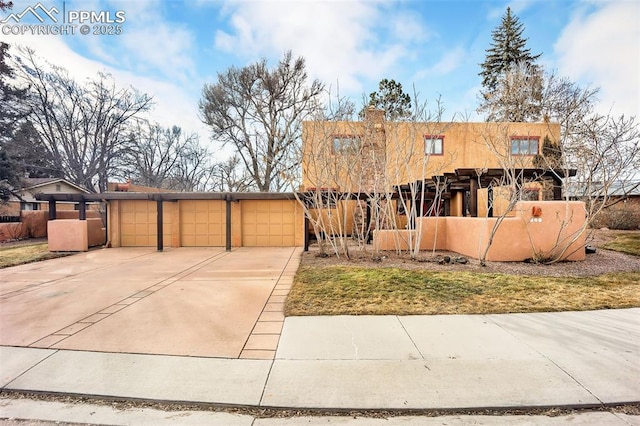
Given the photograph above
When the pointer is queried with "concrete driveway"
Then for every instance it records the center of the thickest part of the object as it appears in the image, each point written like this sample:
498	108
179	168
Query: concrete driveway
184	301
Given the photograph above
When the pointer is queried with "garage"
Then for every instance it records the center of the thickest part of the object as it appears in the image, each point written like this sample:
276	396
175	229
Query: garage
202	223
198	219
138	226
269	223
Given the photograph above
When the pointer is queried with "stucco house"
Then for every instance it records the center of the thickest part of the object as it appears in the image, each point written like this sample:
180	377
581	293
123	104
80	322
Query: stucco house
406	175
373	176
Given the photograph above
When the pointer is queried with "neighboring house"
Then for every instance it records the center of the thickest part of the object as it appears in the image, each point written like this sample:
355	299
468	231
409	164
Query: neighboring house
617	191
24	198
444	169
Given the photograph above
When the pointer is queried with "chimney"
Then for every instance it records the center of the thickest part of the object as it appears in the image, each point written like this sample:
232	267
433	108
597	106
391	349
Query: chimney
374	117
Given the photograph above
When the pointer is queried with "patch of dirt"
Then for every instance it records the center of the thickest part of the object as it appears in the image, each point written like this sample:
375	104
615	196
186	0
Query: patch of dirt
601	262
632	409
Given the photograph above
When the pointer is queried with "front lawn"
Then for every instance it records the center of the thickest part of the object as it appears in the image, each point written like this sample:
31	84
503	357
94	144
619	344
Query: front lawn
628	242
346	290
18	255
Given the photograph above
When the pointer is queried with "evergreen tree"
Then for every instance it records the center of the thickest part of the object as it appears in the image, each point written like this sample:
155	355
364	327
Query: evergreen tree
11	113
391	98
507	49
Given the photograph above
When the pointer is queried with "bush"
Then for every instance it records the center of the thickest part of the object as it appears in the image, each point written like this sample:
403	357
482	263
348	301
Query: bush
624	215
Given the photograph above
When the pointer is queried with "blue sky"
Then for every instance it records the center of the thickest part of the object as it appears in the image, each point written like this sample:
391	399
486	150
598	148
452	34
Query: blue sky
169	49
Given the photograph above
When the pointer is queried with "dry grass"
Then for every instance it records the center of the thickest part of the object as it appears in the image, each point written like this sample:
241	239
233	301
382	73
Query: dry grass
628	242
340	290
18	255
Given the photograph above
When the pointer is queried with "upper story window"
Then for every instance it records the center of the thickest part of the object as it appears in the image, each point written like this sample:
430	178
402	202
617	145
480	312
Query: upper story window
524	145
347	144
433	144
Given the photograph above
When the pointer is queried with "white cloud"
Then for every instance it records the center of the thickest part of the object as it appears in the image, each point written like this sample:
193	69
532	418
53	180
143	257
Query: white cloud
603	49
450	61
337	39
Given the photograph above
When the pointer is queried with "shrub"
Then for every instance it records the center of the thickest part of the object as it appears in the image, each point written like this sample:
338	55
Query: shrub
624	215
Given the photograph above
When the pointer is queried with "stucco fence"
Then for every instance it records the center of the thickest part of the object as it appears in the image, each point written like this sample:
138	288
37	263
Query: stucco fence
532	230
33	224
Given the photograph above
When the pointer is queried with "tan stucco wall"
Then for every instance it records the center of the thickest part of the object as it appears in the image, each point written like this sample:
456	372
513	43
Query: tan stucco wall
68	235
466	145
432	234
34	225
559	234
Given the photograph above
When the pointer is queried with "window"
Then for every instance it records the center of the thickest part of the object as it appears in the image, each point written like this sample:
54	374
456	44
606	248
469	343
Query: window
58	188
321	198
346	144
433	144
524	145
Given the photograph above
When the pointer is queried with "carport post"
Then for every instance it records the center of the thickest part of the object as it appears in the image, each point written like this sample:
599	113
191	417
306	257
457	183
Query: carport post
82	210
160	229
306	232
52	209
227	198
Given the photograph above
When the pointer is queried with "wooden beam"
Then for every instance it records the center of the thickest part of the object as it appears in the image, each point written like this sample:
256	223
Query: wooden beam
473	198
52	210
228	224
160	229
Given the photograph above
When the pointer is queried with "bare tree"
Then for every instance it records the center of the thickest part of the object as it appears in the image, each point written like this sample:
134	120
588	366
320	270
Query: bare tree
83	126
259	111
603	149
165	157
229	175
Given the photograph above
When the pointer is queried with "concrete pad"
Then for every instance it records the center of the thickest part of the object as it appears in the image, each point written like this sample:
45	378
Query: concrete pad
193	318
464	337
345	337
263	342
49	341
257	354
268	327
576	333
15	361
598	349
420	384
58	412
114	290
10	287
31	316
148	377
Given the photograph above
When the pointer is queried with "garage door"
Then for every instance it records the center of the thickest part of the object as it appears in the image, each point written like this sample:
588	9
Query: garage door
138	223
268	223
202	223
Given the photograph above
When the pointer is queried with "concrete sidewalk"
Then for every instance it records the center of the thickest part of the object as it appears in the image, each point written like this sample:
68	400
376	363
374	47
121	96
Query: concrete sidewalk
389	362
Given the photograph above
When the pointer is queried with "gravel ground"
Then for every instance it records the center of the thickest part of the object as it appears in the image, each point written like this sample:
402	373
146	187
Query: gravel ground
601	262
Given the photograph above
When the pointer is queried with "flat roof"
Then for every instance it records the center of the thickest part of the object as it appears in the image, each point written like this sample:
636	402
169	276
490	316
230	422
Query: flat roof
167	196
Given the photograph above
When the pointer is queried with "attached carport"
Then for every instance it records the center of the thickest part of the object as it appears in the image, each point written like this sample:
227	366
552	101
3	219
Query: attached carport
196	219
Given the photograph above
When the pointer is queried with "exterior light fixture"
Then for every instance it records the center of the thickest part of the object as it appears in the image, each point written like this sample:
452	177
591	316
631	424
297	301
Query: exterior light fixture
536	214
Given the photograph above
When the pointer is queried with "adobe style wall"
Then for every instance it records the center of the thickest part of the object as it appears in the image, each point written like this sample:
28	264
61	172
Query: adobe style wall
557	233
34	224
465	145
75	234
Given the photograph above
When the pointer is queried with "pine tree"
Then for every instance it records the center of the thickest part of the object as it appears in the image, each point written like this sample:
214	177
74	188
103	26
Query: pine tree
392	99
508	48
